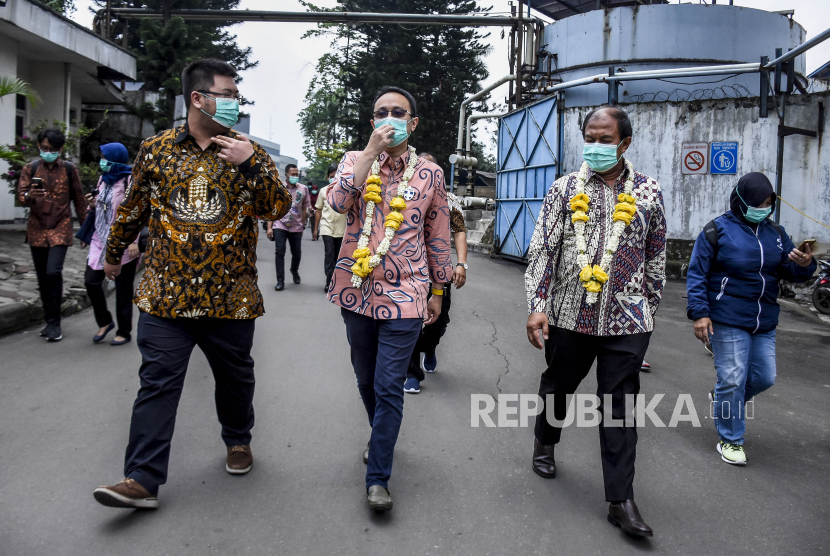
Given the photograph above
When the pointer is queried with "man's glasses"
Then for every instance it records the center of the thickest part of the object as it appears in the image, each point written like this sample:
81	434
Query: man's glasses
234	96
396	113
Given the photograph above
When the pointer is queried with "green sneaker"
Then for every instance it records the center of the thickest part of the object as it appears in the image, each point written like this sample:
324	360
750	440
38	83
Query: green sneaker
732	453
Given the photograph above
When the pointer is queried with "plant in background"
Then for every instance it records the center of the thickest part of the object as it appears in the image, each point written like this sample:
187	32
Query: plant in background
13	86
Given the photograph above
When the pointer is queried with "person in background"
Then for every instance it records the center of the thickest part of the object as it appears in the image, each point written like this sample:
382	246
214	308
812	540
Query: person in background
201	187
397	201
290	228
597	266
313	193
331	225
47	187
112	187
423	358
732	287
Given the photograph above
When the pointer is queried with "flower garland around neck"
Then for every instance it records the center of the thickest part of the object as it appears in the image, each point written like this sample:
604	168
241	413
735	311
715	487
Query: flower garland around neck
364	261
593	277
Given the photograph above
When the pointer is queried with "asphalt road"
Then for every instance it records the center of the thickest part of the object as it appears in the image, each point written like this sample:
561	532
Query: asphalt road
458	490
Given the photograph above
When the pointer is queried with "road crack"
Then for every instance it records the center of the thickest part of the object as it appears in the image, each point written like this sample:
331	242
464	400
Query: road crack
492	344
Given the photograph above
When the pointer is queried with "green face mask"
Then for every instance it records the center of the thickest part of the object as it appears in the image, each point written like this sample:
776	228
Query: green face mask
105	165
754	214
227	111
600	157
293	180
401	134
49	157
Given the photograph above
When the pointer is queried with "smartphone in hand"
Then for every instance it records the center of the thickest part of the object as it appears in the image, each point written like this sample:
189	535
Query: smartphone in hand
803	246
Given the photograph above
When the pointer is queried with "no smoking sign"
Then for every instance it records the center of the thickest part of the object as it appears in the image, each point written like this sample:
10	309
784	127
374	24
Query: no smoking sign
694	158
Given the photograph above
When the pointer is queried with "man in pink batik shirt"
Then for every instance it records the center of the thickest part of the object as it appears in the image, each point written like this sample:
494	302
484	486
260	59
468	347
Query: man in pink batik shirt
384	315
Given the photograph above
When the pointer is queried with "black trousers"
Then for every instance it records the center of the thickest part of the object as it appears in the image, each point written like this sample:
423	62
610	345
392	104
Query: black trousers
430	336
295	240
165	346
332	251
49	268
94	282
570	356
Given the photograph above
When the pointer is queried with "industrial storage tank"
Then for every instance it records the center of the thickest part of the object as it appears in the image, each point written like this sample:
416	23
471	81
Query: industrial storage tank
655	37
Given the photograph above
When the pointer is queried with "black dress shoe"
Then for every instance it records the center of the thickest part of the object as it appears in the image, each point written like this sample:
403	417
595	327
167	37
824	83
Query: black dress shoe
121	342
626	516
379	498
280	286
98	337
543	462
296	276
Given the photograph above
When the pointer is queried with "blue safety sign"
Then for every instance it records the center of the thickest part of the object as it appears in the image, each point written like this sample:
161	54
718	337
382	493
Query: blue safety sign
723	157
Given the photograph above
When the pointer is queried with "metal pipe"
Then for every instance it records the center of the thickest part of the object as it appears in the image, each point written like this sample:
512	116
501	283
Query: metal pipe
654	74
472	117
821	37
478	95
320	17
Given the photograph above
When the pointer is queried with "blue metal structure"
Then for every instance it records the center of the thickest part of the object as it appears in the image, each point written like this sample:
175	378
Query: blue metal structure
528	162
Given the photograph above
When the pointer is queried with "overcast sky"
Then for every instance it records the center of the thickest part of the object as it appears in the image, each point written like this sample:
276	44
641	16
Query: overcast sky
286	63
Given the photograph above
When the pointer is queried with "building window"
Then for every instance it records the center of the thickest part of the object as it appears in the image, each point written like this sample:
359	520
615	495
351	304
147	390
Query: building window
20	116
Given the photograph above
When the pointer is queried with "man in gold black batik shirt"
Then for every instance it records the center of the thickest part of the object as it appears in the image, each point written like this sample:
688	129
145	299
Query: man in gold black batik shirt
200	187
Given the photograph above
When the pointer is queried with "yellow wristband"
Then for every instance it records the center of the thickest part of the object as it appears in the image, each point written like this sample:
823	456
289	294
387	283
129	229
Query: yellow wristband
437	292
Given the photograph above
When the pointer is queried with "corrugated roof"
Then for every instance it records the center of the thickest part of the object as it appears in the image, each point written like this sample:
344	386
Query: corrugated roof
560	9
821	73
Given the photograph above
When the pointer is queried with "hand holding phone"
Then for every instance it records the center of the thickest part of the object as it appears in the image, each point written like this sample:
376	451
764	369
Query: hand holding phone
36	191
804	245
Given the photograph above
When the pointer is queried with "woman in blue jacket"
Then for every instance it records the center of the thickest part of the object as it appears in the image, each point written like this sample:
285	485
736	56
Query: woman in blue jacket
732	289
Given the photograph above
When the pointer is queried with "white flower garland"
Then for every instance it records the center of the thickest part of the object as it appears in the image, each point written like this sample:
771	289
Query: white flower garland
383	247
613	242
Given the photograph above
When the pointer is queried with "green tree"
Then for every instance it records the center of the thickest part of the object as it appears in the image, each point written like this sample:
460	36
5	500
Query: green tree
439	65
66	7
165	47
14	86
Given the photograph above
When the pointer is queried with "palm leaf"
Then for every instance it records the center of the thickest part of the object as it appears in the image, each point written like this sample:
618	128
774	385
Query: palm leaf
11	156
14	86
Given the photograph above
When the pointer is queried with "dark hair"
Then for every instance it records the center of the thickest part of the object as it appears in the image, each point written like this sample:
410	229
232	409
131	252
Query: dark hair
413	108
332	168
55	136
288	167
623	123
199	76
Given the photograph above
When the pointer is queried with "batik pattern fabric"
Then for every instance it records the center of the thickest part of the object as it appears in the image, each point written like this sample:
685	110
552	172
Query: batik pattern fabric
456	214
629	300
202	212
300	205
48	229
420	250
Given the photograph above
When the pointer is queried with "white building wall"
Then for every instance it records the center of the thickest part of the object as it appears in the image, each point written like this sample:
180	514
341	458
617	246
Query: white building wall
692	200
8	66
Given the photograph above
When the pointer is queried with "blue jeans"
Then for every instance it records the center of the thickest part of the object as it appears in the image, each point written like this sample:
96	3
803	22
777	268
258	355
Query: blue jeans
380	351
745	364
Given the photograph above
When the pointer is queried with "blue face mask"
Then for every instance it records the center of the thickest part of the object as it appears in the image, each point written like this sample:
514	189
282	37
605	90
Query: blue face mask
227	111
600	157
293	180
49	157
754	214
401	134
105	165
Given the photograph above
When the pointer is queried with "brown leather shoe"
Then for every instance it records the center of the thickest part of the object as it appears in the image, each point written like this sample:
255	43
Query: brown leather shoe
543	463
126	494
626	516
240	459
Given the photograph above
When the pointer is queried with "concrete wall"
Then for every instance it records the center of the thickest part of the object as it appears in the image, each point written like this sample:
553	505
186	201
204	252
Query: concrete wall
692	200
663	36
8	66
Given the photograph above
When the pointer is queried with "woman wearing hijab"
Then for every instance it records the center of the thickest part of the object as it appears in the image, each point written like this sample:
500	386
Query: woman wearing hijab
732	289
112	188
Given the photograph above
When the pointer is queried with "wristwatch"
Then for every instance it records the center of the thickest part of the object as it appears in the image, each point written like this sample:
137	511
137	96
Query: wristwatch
463	264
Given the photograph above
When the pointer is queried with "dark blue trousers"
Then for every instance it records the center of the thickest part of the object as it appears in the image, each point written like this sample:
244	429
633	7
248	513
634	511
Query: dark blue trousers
380	352
165	346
